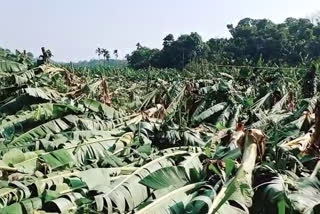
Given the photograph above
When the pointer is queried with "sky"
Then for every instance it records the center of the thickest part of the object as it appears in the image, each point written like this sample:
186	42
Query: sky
73	29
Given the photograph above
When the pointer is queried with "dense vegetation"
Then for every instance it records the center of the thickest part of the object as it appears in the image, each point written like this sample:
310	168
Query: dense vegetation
293	42
96	63
208	139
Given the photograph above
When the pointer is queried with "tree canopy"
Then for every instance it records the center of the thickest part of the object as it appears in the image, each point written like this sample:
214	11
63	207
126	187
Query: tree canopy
293	42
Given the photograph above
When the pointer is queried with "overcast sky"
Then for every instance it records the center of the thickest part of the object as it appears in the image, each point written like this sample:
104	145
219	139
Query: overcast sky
73	29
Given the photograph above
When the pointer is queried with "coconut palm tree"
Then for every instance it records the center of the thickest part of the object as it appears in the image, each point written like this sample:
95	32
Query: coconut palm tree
115	53
106	54
99	52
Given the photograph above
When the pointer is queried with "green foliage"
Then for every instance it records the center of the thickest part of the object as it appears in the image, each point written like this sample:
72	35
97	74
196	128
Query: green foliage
253	42
96	63
143	57
211	139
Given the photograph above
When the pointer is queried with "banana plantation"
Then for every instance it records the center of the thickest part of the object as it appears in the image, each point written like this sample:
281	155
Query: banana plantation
225	141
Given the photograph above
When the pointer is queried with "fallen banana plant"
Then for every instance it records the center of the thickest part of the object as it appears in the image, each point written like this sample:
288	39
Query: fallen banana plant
239	188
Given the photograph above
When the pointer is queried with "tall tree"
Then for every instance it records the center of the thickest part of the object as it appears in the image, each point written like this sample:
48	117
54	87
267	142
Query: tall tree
115	53
142	57
106	54
186	48
99	52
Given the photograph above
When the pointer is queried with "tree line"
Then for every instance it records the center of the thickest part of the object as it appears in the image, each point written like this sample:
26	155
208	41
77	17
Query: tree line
252	41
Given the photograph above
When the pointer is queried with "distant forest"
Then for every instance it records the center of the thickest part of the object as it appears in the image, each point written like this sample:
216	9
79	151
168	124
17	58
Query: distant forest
293	42
112	63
